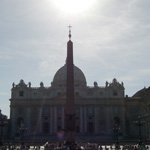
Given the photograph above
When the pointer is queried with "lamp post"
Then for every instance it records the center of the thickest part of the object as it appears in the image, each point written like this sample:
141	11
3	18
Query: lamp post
116	133
3	122
139	123
22	130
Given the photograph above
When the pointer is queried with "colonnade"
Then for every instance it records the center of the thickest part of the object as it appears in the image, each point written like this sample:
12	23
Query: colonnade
55	119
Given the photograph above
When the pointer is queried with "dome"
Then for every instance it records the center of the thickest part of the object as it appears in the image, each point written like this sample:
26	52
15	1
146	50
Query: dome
59	79
142	92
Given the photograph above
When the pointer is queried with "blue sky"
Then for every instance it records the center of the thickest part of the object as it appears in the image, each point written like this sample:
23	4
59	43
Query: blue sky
111	40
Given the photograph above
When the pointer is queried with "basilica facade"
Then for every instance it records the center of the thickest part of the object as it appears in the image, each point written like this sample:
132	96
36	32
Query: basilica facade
42	109
101	112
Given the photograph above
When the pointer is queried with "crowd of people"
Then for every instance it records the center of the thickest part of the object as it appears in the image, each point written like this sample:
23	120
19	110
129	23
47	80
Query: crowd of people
74	146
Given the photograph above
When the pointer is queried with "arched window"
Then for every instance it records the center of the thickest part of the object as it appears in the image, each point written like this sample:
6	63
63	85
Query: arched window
90	127
46	128
20	121
20	111
59	111
46	111
117	120
77	129
77	112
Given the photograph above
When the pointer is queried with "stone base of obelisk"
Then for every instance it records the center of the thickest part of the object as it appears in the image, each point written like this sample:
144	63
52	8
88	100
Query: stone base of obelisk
70	140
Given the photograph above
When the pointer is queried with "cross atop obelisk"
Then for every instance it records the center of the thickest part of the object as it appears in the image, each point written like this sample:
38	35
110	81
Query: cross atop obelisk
69	31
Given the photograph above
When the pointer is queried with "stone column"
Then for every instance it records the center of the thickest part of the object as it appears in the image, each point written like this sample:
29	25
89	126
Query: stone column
13	119
107	116
81	120
123	121
62	118
40	120
85	120
55	119
148	127
96	119
51	120
28	124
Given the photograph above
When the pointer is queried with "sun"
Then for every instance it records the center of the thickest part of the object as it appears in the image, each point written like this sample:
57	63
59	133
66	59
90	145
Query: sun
74	6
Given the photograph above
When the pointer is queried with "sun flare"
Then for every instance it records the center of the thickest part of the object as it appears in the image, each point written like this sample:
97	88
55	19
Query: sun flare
73	6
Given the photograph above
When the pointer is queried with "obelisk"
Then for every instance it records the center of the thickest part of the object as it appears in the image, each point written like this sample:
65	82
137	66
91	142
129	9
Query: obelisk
70	106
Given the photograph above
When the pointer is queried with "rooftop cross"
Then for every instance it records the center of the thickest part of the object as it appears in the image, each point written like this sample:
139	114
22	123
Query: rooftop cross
69	31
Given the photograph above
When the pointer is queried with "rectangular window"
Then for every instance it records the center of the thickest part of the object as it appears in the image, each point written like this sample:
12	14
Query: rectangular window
101	93
20	111
89	92
35	94
90	110
21	93
46	111
59	111
116	110
115	93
